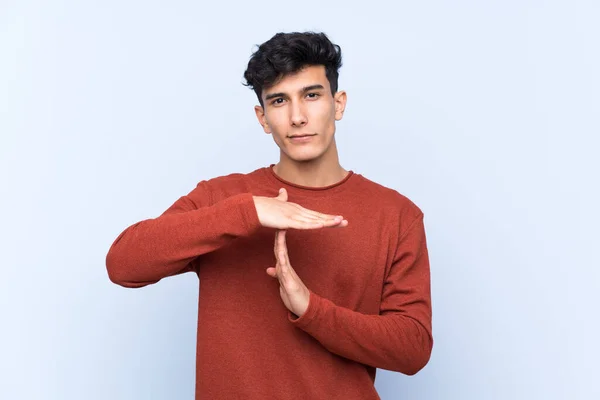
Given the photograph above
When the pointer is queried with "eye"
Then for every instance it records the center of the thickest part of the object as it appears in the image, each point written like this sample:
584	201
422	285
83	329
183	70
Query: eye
278	100
313	95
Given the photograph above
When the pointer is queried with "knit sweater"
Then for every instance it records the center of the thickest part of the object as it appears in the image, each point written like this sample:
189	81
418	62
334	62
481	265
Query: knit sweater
369	285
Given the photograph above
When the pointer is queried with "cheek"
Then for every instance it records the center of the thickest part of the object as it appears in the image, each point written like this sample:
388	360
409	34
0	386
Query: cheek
326	121
324	113
277	122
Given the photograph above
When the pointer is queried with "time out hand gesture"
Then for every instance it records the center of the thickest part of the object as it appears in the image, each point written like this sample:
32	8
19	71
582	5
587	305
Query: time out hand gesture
276	212
294	293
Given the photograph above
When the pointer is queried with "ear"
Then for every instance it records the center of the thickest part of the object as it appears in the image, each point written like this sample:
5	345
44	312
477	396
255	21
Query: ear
262	119
340	104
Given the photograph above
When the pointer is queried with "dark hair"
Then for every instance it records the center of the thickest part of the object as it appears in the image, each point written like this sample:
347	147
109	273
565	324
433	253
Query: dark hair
287	53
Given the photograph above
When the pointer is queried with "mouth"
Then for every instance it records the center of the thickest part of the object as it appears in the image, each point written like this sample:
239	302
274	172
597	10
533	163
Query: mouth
302	138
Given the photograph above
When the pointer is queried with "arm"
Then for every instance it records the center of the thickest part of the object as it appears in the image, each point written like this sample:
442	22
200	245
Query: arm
157	248
165	246
399	338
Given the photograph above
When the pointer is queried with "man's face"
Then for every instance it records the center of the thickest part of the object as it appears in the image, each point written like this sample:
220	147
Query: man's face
300	112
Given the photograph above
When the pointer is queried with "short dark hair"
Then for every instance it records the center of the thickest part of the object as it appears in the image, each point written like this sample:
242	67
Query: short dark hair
287	53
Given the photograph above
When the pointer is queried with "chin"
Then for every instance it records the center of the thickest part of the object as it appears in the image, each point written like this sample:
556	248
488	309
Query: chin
305	156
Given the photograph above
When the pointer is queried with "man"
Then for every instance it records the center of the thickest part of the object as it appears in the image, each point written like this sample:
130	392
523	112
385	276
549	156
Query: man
312	276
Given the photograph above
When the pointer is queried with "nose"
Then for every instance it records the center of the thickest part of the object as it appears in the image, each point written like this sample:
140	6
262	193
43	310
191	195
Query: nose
298	115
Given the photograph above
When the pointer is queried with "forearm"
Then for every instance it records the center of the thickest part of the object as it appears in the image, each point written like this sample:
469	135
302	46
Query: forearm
393	341
156	248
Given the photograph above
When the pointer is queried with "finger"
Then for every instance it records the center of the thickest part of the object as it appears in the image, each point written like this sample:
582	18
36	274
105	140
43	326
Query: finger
311	213
279	252
342	224
316	225
284	248
278	273
284	261
305	218
281	268
281	247
278	258
319	214
282	195
334	222
324	218
305	215
306	224
279	243
289	278
303	224
276	245
308	220
288	272
272	272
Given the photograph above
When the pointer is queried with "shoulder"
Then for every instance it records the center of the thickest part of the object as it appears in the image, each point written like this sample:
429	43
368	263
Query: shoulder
388	198
226	182
220	187
398	207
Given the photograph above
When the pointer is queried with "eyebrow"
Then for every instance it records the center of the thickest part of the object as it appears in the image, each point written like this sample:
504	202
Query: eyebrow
304	90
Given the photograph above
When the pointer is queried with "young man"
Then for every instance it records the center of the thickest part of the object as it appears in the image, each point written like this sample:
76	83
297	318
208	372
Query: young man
311	276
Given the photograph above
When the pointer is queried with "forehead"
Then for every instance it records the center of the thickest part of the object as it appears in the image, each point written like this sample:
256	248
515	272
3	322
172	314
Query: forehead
307	76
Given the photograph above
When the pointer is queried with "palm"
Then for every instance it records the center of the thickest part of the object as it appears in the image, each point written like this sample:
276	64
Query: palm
294	294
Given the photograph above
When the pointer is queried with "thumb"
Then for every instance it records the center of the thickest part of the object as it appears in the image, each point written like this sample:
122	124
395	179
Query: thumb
282	194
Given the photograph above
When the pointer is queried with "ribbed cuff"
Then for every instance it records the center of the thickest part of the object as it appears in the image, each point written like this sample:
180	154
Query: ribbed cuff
311	313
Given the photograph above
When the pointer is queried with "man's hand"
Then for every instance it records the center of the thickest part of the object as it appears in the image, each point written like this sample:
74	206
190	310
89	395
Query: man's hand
294	294
276	212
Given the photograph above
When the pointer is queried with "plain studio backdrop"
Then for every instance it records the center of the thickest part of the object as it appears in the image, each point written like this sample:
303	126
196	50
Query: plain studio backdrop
485	114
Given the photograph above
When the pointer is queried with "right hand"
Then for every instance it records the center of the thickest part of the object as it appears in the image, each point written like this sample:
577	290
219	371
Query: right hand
276	212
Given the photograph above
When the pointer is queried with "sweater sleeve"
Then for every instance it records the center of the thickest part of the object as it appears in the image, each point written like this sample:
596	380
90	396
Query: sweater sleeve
153	249
400	337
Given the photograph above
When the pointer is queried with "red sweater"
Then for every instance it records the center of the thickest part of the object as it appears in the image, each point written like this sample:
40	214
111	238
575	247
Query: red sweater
369	286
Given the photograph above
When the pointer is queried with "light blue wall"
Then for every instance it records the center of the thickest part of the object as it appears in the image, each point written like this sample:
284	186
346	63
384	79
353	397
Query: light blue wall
485	113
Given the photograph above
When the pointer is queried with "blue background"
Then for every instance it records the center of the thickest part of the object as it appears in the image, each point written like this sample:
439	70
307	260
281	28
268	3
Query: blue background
486	114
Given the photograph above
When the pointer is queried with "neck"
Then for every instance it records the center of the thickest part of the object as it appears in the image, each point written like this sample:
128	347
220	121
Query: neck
320	172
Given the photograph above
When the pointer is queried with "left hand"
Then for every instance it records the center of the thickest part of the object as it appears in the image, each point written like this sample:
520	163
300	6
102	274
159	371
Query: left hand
294	293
